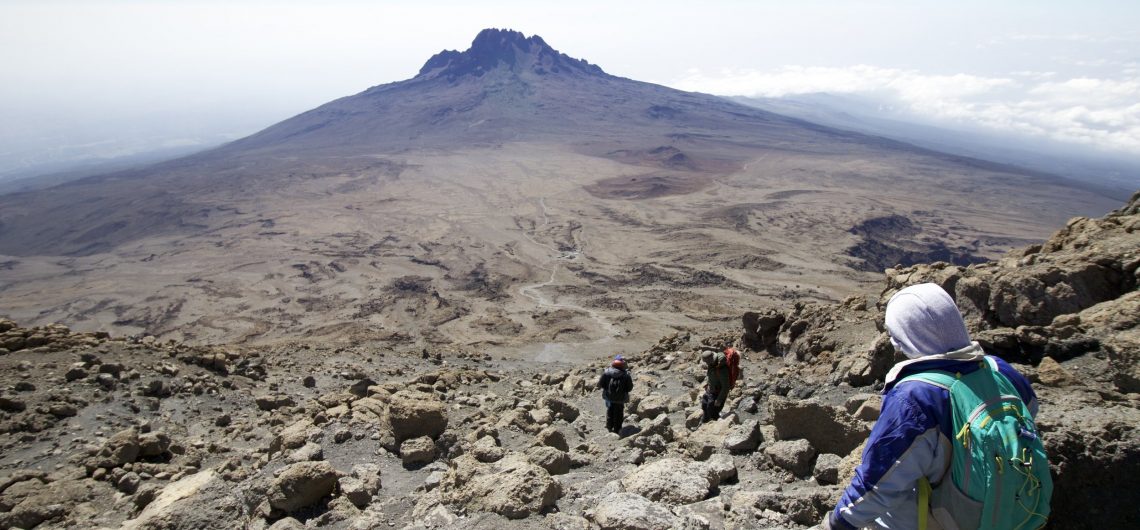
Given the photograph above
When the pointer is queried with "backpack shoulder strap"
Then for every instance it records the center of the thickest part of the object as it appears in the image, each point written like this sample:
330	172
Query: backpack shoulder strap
934	377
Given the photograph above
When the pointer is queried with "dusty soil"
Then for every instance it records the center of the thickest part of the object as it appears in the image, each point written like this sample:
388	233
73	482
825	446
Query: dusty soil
492	239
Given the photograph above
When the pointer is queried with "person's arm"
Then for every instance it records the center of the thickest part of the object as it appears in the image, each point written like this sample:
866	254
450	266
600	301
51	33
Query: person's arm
602	381
628	382
900	451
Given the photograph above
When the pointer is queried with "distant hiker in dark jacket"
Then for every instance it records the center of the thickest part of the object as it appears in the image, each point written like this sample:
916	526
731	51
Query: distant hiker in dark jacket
716	385
615	384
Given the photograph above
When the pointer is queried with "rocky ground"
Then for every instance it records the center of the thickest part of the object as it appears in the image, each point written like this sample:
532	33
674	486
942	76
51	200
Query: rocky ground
103	432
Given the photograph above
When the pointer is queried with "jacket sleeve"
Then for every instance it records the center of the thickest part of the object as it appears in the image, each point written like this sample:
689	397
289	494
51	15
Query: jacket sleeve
900	450
628	382
602	381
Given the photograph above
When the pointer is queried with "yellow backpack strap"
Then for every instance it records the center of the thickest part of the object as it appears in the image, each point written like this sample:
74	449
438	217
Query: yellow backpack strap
923	502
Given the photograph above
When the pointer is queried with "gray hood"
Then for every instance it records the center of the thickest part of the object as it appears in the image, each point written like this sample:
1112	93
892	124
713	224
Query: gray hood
923	320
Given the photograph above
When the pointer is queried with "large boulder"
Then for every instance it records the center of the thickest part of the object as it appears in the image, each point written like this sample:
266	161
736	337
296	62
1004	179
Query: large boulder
1091	442
1117	325
670	480
829	429
762	329
512	487
301	485
402	415
414	414
559	408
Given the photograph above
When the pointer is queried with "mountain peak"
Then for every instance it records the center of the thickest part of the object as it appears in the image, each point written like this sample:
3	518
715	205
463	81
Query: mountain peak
507	49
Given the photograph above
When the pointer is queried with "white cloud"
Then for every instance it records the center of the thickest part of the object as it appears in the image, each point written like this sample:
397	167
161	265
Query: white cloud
1092	111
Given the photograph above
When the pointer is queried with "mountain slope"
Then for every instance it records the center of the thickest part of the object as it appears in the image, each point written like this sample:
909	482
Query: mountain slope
509	196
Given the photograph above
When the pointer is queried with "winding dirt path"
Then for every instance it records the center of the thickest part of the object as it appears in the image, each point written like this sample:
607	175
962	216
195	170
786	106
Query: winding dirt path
533	291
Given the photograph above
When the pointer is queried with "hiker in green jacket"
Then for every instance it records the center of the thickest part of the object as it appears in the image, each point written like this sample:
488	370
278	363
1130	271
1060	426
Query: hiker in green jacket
716	385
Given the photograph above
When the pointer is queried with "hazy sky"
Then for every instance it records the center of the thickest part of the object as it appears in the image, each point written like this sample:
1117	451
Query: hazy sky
117	74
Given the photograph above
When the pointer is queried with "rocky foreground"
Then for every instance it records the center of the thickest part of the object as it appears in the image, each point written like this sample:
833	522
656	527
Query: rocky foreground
97	432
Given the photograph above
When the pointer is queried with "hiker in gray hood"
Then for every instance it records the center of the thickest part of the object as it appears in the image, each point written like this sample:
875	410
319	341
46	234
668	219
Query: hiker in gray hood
912	445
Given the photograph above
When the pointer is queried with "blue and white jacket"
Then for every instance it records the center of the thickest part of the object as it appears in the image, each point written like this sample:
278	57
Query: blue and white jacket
910	440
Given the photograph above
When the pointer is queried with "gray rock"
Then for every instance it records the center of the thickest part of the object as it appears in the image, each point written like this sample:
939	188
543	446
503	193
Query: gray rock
307	453
653	405
829	429
743	438
670	480
11	404
560	408
487	450
121	449
869	410
792	455
106	381
565	521
826	469
75	373
273	401
153	444
721	468
63	410
287	523
129	483
298	434
805	508
353	489
629	511
157	388
301	485
552	437
31	516
415	414
512	487
417	451
708	438
362	485
554	461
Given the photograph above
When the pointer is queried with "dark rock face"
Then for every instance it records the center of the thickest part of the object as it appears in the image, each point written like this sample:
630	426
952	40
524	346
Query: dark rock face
1031	303
893	240
494	48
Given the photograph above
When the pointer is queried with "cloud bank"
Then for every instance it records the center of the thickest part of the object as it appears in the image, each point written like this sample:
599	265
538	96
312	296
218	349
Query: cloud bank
1098	112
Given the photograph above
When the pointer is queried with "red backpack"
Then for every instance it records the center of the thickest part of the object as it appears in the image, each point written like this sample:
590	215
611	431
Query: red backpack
732	358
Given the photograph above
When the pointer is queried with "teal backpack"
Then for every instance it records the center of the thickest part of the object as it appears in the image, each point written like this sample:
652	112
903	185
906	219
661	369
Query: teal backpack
999	473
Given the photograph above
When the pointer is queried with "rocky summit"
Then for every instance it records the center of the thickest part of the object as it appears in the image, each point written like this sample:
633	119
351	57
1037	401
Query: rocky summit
103	432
